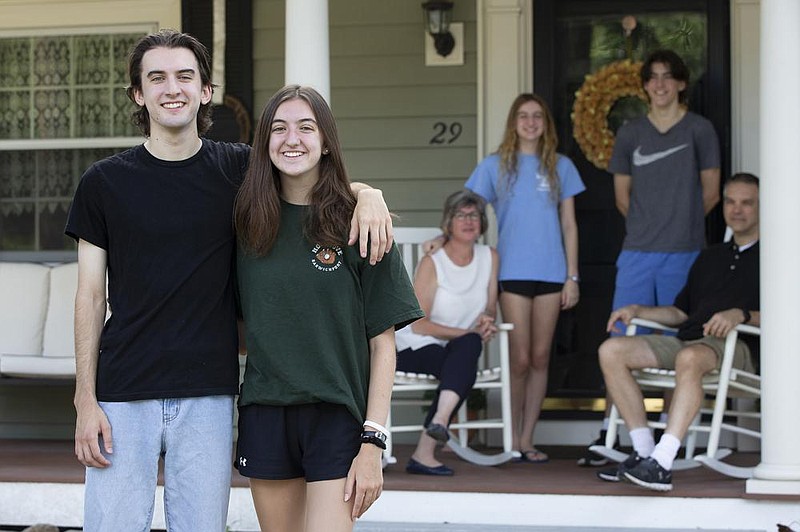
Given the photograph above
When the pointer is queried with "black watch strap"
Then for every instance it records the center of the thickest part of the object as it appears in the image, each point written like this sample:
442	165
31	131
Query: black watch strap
746	315
375	438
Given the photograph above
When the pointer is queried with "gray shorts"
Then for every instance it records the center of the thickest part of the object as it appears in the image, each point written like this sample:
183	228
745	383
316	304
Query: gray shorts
666	349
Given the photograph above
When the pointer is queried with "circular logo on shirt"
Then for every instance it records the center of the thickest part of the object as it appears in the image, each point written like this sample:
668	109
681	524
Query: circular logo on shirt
326	258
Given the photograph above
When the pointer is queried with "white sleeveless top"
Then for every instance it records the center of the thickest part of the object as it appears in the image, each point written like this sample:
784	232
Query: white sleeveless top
461	296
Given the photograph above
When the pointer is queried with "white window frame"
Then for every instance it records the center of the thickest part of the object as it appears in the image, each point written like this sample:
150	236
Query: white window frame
74	143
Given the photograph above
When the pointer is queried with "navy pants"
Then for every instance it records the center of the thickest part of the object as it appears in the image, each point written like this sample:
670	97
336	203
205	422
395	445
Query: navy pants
455	365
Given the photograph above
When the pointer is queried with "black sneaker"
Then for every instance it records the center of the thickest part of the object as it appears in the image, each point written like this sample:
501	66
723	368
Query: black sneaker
615	474
591	458
649	474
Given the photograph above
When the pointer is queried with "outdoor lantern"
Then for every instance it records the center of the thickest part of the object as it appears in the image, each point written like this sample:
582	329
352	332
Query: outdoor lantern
437	16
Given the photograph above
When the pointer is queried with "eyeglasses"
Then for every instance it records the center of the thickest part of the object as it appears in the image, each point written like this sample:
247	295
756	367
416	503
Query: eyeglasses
474	216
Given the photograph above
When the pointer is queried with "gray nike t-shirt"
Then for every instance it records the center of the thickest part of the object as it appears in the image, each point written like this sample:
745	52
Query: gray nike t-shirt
666	206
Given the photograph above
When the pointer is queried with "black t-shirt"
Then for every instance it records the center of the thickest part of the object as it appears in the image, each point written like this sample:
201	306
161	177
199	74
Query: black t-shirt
722	277
168	231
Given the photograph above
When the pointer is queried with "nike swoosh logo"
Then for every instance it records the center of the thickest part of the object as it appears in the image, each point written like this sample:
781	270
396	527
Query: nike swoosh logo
642	160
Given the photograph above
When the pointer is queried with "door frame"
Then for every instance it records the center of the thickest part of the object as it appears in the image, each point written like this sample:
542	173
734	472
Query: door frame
717	76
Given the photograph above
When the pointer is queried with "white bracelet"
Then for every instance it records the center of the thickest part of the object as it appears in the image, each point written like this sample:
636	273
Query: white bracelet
376	426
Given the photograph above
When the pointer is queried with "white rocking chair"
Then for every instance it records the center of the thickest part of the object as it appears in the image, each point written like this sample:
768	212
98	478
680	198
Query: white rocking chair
409	240
724	384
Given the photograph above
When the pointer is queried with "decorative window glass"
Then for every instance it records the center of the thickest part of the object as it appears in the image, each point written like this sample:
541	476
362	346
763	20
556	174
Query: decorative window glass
62	106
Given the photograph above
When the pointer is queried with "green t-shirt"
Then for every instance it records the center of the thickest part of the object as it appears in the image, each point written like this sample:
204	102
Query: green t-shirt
309	313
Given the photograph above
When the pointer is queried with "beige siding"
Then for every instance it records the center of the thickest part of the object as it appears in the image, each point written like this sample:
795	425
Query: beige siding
387	102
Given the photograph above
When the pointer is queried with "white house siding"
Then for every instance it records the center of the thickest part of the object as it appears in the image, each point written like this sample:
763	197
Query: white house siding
386	101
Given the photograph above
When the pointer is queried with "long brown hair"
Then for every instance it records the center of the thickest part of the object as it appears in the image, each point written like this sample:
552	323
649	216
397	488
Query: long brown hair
257	211
546	148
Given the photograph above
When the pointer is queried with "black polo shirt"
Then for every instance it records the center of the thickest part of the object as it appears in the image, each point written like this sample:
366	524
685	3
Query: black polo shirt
723	277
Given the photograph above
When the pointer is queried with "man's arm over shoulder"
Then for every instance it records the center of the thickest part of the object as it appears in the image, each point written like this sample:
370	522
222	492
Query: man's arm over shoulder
371	223
90	312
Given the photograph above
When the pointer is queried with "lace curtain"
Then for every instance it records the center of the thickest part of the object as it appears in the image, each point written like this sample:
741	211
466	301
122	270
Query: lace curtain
55	87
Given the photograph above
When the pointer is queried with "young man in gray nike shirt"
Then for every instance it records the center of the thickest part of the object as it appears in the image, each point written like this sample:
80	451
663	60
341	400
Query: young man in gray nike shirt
666	179
666	168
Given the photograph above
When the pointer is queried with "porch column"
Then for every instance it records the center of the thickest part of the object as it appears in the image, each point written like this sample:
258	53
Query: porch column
779	470
307	49
504	65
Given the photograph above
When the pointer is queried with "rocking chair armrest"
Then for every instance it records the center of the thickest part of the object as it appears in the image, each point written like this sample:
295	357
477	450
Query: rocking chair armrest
749	329
640	322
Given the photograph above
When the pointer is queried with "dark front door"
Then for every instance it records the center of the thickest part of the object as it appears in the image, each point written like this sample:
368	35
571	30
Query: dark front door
573	38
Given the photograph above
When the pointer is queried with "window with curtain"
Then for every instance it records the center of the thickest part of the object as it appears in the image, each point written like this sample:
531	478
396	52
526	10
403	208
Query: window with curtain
62	106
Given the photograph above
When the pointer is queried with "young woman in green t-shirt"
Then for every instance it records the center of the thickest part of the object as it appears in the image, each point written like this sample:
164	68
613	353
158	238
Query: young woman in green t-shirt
319	323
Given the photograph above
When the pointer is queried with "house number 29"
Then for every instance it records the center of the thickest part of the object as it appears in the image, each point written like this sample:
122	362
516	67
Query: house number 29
445	134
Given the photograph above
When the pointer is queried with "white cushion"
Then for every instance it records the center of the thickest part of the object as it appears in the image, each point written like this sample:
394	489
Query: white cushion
24	289
37	366
59	338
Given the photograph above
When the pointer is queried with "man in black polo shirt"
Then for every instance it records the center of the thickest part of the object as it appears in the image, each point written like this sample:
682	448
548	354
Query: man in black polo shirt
720	293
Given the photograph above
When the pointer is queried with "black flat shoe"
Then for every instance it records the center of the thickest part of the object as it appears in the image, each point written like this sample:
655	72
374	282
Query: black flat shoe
437	432
416	468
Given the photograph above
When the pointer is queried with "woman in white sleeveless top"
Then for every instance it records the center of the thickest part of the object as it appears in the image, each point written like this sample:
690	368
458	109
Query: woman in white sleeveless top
457	288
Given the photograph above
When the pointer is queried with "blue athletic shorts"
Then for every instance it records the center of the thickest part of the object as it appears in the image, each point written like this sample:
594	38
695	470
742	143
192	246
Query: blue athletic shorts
315	441
650	278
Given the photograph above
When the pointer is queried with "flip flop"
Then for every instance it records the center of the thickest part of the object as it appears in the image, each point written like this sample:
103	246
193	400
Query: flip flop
532	456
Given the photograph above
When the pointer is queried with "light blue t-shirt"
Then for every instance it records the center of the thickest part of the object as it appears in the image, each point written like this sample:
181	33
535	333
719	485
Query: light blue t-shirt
529	240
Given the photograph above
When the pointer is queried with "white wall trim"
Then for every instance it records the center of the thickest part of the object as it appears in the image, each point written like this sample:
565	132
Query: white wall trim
70	144
745	68
75	30
505	64
25	14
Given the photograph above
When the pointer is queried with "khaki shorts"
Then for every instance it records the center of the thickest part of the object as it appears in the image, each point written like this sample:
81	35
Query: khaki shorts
666	349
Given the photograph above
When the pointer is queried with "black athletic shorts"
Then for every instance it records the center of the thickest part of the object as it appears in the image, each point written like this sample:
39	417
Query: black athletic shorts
530	288
316	441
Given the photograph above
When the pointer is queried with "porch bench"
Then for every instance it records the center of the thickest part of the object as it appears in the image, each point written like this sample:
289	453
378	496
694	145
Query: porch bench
36	321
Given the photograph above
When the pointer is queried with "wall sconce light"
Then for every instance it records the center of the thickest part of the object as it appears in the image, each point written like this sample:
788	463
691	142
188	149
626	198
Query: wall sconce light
437	18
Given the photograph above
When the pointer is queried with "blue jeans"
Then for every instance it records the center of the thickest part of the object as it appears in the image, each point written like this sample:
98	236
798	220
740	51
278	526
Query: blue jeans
650	278
195	437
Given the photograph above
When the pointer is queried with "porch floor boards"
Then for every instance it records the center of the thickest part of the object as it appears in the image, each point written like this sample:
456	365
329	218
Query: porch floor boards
53	461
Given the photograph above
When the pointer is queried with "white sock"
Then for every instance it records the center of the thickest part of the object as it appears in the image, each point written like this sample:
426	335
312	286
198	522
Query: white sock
605	424
666	450
642	440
